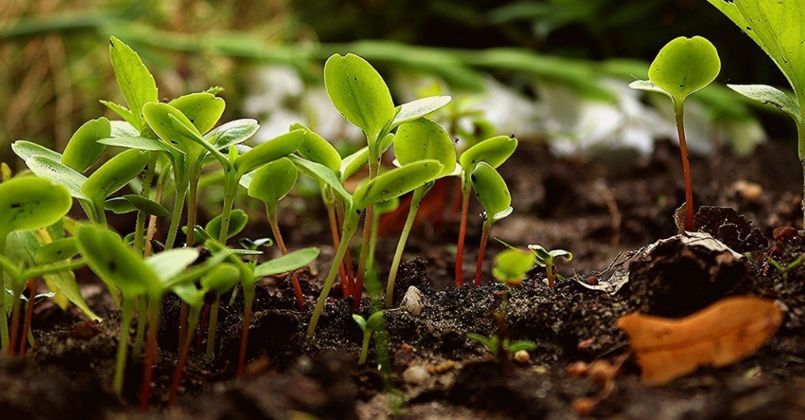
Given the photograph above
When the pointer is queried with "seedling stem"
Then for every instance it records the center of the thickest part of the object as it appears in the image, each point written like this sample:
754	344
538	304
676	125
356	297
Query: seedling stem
416	201
275	230
123	346
462	233
479	264
686	173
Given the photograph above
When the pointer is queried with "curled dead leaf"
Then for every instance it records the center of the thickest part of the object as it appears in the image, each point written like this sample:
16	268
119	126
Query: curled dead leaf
723	333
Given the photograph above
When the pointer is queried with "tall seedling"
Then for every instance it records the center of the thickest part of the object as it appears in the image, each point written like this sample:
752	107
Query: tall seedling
776	26
494	196
682	67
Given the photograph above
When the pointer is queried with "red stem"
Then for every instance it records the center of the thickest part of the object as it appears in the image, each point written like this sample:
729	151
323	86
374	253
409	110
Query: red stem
297	288
182	324
690	224
244	339
462	233
177	373
479	263
29	313
150	356
342	276
15	328
339	213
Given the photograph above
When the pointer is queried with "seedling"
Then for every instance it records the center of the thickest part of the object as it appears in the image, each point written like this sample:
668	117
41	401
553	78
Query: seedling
249	274
125	271
512	265
681	68
270	184
359	93
218	280
26	203
416	140
494	196
494	151
548	259
368	327
776	27
502	348
386	186
785	269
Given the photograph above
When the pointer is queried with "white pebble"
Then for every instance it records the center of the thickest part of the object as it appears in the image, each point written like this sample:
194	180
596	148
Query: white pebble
413	301
416	375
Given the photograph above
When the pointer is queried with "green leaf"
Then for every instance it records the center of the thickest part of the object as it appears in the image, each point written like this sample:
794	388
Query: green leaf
29	202
58	173
684	66
136	143
65	284
776	26
135	81
27	150
273	149
202	109
158	116
383	207
189	294
396	182
237	222
287	263
115	263
491	191
83	148
273	181
221	278
133	202
58	250
771	96
232	133
115	174
512	264
561	253
418	108
353	163
316	149
169	264
359	93
361	321
124	113
123	129
322	174
424	139
375	321
518	345
493	151
491	343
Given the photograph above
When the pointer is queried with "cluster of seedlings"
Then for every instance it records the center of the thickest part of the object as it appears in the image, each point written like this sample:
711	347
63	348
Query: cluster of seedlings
162	148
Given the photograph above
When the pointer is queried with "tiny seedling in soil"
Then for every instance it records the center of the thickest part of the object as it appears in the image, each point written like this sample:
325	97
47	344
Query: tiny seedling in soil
502	348
493	151
776	27
681	68
548	258
368	327
512	265
494	196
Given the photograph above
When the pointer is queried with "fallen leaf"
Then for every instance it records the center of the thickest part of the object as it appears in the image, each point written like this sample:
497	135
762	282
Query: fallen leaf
722	333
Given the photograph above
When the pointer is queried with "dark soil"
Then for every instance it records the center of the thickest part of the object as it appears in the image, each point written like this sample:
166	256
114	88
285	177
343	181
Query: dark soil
605	214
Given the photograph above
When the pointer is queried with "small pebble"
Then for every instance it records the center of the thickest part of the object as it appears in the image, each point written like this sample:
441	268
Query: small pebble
522	357
750	191
416	375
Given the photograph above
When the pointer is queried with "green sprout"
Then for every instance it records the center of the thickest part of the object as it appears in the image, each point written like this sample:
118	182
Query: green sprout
548	258
270	184
775	26
681	68
26	203
368	327
493	151
502	348
494	196
512	265
417	140
362	97
140	282
384	187
250	273
785	269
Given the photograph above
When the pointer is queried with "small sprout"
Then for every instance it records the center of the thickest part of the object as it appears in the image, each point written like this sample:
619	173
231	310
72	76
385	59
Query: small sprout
270	184
548	259
494	151
681	68
512	265
504	348
368	326
494	196
785	269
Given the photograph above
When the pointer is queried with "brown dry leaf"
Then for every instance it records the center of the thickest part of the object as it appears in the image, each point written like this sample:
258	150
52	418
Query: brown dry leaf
718	335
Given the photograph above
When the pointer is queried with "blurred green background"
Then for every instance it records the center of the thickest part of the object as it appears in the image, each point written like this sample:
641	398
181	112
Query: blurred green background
54	65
